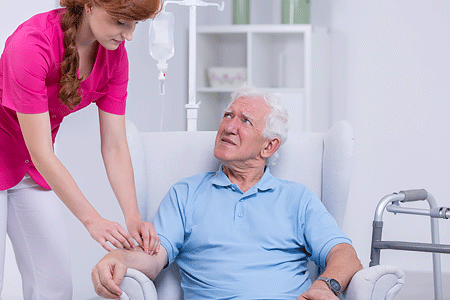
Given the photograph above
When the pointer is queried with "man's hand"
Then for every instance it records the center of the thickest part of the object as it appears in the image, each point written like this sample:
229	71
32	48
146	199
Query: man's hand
108	274
318	294
341	264
318	291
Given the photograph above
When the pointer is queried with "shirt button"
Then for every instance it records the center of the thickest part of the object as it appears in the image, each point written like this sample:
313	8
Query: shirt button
54	116
27	161
241	215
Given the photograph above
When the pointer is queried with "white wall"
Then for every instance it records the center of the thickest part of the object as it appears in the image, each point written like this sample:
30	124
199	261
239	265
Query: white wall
14	12
390	71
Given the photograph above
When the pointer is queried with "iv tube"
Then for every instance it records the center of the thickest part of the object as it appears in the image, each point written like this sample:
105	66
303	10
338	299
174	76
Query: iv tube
162	44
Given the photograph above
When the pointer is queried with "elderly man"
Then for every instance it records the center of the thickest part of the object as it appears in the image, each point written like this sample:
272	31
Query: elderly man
240	233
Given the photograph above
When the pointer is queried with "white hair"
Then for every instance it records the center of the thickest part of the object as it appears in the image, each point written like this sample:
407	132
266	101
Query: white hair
277	121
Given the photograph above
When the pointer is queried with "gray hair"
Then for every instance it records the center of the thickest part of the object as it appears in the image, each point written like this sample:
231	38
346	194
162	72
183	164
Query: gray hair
277	122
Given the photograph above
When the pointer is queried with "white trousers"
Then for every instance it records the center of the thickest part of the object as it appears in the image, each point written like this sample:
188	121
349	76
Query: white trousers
32	218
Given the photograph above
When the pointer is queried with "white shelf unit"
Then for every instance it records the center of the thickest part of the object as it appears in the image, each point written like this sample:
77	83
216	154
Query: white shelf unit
291	61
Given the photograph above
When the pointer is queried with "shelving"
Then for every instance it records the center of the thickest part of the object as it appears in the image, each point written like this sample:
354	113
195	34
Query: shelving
278	58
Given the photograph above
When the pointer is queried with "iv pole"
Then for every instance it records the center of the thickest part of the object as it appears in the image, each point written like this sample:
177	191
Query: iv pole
192	107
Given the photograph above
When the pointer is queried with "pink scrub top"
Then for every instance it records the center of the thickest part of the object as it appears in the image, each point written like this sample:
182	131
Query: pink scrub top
29	84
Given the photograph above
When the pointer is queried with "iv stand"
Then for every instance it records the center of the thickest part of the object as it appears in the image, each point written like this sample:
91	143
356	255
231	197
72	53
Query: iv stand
192	107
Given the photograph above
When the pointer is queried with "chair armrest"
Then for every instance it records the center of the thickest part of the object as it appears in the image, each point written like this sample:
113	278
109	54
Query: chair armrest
377	282
137	286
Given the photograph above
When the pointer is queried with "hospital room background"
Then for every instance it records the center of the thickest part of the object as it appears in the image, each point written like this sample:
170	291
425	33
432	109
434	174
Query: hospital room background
388	74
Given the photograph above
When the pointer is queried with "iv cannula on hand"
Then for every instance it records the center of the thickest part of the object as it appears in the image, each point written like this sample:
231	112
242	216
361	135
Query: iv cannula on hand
162	43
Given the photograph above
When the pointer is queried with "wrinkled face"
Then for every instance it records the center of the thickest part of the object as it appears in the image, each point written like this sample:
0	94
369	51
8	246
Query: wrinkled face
107	30
239	137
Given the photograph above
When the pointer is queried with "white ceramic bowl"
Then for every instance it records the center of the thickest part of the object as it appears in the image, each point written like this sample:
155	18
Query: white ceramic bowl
226	77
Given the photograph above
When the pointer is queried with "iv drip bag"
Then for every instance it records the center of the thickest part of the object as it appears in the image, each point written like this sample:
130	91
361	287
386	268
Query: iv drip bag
162	43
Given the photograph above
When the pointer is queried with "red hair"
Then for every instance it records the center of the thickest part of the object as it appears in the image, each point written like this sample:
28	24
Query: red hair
70	22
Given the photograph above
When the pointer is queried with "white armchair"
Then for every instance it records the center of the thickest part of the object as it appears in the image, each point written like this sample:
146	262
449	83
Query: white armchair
321	161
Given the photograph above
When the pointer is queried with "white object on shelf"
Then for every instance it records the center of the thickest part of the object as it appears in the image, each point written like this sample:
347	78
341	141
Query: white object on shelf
225	77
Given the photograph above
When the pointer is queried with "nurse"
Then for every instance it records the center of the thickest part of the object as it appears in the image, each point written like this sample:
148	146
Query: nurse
54	64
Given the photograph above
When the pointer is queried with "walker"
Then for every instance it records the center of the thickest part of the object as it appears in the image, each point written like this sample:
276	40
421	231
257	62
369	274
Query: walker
392	203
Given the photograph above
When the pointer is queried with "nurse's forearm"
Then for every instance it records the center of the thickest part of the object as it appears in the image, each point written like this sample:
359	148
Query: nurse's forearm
119	169
117	160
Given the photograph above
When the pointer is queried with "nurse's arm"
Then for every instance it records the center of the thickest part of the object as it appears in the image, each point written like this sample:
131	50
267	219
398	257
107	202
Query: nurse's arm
36	131
117	160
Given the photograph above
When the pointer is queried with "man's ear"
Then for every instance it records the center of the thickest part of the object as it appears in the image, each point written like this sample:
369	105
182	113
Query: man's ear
271	147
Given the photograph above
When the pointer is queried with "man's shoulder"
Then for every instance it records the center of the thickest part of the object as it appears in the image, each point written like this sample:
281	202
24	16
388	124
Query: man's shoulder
185	189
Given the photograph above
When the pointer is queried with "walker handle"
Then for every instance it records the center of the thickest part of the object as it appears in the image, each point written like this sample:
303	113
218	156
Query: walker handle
414	195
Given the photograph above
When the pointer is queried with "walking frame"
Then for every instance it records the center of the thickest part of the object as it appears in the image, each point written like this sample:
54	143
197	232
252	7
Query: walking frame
392	203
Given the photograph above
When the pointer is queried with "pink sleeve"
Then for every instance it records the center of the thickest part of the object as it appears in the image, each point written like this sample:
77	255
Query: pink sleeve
27	59
115	100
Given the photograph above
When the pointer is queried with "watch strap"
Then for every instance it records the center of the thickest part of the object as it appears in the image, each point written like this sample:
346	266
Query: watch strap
333	284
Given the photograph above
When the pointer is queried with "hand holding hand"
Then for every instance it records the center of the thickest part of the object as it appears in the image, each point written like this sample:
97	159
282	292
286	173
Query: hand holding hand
103	231
108	274
145	235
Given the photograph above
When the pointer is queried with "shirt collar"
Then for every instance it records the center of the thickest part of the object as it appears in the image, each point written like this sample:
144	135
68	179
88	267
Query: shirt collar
266	183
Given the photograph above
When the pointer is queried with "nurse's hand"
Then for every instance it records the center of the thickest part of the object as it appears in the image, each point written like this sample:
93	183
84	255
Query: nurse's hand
144	234
104	231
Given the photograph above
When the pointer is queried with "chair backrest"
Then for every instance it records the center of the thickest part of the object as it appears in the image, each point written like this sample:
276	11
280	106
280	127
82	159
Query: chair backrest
321	161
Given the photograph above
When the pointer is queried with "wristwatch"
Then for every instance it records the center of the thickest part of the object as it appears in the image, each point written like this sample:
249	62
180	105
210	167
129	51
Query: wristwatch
333	284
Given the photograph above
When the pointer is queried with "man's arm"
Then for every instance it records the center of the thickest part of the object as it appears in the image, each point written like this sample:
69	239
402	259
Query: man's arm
108	274
342	264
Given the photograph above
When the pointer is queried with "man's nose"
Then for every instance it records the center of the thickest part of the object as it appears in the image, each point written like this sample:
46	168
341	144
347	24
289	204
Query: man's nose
232	126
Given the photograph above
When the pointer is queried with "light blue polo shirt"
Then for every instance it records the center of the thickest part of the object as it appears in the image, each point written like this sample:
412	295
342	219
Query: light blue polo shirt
252	245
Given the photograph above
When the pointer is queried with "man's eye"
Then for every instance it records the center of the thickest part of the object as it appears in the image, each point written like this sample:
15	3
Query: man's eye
120	23
247	121
227	115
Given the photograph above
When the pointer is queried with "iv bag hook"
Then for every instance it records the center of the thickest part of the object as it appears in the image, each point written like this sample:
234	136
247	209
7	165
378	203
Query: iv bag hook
220	7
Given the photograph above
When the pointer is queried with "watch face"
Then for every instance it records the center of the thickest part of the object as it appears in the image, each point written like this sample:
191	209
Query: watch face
334	284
